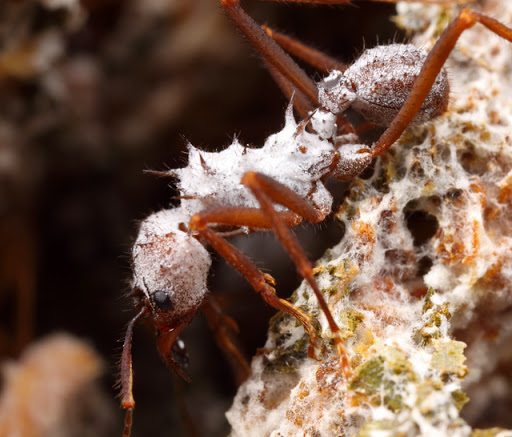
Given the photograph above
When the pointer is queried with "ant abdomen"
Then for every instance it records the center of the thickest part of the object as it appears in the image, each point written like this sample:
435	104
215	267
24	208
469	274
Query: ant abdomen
380	81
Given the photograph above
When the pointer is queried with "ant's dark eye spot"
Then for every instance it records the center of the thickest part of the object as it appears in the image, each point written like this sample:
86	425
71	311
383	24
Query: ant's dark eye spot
162	300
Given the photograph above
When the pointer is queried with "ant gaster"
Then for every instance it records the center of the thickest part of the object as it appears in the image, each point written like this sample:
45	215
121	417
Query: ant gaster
277	186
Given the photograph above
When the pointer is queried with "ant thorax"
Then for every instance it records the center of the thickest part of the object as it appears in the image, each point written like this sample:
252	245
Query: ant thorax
380	81
293	157
170	267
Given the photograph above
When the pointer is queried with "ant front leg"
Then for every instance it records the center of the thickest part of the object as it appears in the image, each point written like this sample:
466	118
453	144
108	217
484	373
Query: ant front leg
268	191
301	103
261	282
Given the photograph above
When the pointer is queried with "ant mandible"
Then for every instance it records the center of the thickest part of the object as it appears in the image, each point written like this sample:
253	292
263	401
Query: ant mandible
277	186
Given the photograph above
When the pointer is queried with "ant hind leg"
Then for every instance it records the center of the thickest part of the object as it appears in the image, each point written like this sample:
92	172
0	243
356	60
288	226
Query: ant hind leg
311	56
285	71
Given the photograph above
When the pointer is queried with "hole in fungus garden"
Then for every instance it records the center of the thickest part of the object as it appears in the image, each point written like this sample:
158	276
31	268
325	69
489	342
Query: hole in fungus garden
424	265
470	161
422	226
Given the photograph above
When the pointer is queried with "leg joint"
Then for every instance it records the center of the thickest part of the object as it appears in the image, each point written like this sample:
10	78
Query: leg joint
249	178
468	17
196	223
229	3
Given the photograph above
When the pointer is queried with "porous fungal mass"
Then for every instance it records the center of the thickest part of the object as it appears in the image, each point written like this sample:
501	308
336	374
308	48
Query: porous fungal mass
427	254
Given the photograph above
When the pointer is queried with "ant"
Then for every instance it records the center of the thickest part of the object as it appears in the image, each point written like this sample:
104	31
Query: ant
241	189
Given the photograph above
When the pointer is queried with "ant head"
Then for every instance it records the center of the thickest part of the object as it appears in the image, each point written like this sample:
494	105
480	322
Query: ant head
170	271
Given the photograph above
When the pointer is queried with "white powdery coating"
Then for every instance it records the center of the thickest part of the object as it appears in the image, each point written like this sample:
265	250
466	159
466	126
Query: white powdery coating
324	124
379	71
457	170
470	163
293	157
335	92
379	82
51	390
168	259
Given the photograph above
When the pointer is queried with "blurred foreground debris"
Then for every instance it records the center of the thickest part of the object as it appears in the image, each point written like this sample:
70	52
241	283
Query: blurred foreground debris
53	391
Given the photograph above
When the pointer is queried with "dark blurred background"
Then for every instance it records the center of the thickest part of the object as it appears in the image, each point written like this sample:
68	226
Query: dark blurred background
94	93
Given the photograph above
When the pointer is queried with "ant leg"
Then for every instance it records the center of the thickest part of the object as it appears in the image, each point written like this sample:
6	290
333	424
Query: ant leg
316	59
301	103
342	2
308	54
127	400
261	282
223	327
275	56
268	191
364	126
431	68
269	50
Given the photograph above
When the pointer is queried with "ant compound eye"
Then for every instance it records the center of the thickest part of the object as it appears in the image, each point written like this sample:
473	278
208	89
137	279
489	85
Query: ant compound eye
162	300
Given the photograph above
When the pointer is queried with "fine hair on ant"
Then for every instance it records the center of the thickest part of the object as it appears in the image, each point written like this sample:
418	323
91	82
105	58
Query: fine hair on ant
275	187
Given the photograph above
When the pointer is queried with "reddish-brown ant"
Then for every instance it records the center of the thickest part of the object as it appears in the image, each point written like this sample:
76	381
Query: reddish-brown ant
277	186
